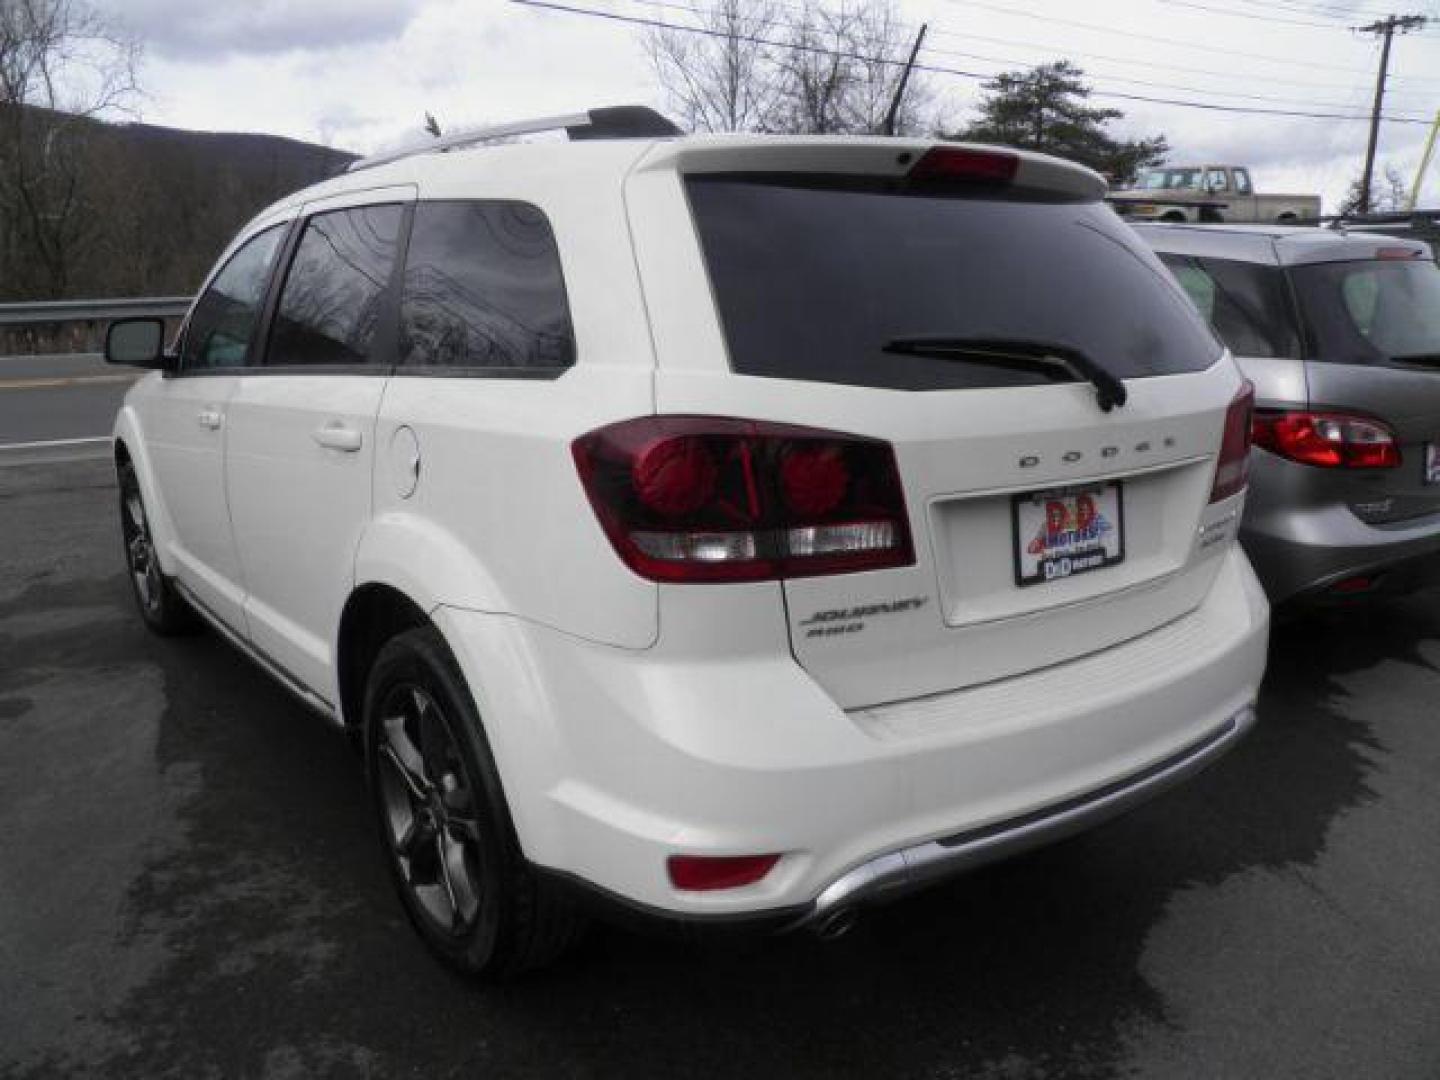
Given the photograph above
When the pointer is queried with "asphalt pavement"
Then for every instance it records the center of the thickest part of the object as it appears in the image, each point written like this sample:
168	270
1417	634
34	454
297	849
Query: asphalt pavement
190	887
59	398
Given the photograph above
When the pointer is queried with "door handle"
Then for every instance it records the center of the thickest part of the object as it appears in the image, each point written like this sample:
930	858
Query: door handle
209	418
336	436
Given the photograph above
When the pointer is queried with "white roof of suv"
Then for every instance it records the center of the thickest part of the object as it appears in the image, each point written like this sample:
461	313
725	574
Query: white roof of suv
619	148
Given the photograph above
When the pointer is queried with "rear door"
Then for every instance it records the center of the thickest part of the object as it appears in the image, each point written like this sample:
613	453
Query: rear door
1006	471
302	429
1373	329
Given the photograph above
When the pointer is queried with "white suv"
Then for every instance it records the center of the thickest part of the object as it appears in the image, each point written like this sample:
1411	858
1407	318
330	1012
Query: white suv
740	529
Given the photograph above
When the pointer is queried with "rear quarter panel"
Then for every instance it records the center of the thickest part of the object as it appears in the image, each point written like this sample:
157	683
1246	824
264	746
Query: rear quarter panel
499	521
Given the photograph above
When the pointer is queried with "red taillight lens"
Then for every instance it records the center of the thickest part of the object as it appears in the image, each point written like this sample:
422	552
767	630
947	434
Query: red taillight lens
674	477
704	873
1232	469
1328	440
965	165
693	498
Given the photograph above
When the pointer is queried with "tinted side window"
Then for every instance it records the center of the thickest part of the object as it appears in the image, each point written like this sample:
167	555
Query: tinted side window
219	332
334	294
483	289
1246	303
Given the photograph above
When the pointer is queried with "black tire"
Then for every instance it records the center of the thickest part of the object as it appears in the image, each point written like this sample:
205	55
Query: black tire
443	821
162	608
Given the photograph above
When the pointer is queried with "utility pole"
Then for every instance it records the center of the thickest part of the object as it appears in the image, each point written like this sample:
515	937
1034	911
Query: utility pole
1386	26
904	78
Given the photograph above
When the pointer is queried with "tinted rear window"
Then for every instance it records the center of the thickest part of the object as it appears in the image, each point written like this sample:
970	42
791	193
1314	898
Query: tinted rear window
1371	311
812	281
1247	304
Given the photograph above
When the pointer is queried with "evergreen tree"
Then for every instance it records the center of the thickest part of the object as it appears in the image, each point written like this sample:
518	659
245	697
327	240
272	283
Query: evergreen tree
1047	109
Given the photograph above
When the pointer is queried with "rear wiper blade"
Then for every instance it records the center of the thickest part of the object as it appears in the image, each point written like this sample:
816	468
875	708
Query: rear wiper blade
1430	359
1063	361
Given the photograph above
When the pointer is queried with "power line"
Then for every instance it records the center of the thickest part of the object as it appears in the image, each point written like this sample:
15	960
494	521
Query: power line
702	13
937	31
613	16
1057	50
1247	14
1269	58
1238	95
1319	11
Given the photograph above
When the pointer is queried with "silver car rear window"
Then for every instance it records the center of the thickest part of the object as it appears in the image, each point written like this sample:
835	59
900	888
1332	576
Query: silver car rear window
1371	311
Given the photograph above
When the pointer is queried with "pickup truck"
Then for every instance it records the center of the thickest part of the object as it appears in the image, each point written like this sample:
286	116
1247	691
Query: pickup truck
1209	193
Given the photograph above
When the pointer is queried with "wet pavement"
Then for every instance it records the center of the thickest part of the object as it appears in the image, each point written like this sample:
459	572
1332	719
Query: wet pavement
189	887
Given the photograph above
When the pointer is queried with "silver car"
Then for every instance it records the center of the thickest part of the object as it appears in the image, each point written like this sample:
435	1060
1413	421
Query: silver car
1340	333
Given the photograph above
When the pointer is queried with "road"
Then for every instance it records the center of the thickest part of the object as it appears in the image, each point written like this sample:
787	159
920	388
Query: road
189	887
45	398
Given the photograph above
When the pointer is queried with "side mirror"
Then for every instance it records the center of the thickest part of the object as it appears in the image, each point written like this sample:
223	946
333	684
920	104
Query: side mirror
136	342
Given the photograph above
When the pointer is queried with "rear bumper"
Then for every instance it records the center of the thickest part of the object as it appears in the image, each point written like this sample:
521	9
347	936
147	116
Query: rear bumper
892	875
896	874
615	760
1300	555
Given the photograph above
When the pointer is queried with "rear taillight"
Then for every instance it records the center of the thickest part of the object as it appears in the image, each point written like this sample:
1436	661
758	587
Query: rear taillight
1327	440
694	498
1232	470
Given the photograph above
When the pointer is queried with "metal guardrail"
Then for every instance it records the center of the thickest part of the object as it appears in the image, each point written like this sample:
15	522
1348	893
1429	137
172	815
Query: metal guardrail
63	311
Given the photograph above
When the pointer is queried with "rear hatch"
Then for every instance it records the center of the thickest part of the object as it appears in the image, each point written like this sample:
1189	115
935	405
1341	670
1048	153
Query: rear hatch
852	298
1373	345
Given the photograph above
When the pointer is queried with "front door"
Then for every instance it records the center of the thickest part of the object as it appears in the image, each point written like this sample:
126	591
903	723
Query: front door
185	422
301	434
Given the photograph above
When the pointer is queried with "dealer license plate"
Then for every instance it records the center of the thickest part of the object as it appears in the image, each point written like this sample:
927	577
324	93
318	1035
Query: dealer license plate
1068	531
1432	463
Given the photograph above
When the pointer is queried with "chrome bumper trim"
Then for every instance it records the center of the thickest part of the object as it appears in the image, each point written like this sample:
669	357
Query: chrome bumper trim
892	875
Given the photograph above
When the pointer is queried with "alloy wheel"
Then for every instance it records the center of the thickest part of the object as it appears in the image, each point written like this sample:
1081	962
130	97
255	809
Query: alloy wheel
140	552
429	809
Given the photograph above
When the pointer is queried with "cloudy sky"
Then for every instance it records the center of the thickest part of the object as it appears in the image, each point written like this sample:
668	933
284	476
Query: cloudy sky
360	74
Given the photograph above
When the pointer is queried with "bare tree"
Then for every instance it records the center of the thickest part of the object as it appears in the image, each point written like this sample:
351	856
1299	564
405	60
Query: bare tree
61	64
1387	196
767	65
727	78
843	67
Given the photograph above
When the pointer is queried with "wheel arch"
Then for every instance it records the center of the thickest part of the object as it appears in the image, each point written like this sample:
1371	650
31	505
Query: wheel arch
374	613
128	448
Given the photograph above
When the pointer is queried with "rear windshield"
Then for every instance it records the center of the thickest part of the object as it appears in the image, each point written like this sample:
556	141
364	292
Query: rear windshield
1372	311
1247	304
813	280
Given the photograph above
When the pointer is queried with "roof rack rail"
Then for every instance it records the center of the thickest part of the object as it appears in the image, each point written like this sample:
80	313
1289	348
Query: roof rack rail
615	122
